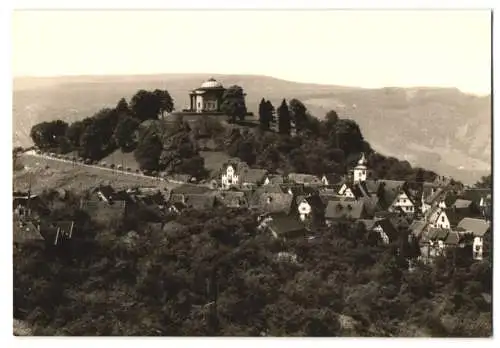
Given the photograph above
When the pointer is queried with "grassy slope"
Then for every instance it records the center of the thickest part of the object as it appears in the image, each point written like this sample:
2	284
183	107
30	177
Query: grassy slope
440	129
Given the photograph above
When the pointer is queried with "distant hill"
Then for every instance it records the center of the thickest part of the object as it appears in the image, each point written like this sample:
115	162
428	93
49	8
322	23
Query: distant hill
443	130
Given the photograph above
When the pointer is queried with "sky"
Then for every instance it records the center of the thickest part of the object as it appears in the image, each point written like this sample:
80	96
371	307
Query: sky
368	49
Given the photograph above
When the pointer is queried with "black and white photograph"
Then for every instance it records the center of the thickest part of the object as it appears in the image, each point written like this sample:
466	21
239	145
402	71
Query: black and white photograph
252	173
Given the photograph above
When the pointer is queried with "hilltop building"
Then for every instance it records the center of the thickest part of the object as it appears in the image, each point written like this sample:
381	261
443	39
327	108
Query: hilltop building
207	97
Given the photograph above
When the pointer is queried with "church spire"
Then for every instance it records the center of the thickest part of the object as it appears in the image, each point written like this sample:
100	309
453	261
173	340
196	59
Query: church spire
362	161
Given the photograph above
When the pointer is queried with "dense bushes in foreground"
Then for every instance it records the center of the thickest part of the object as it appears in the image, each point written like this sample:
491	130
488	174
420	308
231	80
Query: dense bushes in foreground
216	274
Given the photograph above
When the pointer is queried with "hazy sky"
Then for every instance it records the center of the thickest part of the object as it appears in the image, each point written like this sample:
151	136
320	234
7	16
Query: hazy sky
354	48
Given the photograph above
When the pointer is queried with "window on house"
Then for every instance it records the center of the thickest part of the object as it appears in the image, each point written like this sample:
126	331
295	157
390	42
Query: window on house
442	218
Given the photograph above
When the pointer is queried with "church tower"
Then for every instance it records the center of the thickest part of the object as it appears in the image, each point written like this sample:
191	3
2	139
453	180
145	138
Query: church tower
360	171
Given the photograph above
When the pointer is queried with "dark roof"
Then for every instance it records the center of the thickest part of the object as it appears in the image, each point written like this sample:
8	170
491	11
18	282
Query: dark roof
391	189
462	203
332	179
156	199
275	179
25	231
475	195
345	209
388	229
300	178
253	176
181	177
453	216
478	227
417	227
270	188
232	199
298	189
314	201
200	201
399	221
326	197
371	204
369	224
285	224
453	238
106	190
190	189
372	185
437	195
272	202
434	234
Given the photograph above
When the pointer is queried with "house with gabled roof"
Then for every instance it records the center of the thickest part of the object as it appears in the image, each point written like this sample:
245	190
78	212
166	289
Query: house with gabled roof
272	202
331	179
404	201
438	218
236	173
344	210
418	227
282	226
383	228
478	228
273	179
311	209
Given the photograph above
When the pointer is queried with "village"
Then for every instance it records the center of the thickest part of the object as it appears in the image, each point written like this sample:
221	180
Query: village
437	215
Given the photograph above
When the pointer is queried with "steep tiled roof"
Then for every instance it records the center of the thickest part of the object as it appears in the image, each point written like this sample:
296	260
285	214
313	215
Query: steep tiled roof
304	179
437	195
332	179
275	179
272	202
344	209
453	216
434	234
371	204
477	226
417	227
284	225
388	229
270	188
453	238
253	176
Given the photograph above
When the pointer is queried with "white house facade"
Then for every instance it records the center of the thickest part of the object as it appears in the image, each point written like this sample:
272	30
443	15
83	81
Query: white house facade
229	177
404	202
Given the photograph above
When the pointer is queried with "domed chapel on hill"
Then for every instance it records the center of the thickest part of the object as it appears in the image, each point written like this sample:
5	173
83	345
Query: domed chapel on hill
207	97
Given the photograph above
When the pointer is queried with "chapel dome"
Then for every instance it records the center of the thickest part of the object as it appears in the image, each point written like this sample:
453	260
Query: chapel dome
211	83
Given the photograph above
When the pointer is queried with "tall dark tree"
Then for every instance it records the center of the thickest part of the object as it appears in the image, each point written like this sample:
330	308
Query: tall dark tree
147	105
122	107
264	124
298	114
266	114
48	135
166	101
233	103
74	133
124	134
284	120
148	151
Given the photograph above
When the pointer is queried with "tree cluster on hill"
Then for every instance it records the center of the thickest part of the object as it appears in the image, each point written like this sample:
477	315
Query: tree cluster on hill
107	130
215	273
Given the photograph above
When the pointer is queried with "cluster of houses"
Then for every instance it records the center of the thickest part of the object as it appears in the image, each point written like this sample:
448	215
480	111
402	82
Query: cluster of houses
438	214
